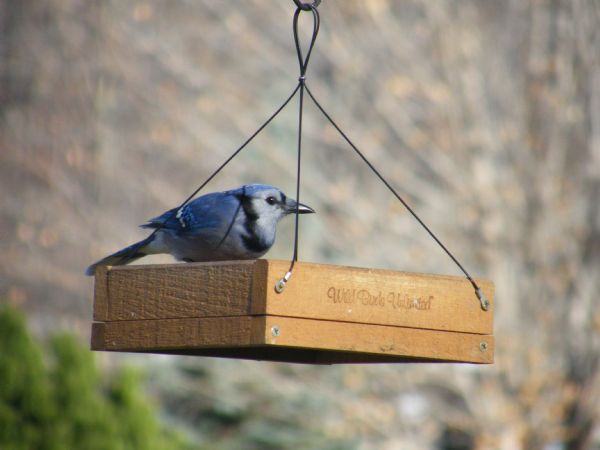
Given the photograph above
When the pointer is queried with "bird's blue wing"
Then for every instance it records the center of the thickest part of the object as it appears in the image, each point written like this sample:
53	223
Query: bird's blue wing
211	211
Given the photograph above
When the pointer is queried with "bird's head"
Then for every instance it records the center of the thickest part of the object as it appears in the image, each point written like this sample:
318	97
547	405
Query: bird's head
268	203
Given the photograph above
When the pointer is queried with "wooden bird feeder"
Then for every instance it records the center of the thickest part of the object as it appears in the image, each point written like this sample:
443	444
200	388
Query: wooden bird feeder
326	314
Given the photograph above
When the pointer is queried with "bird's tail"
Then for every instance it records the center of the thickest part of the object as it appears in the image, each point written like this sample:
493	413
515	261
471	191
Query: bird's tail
124	256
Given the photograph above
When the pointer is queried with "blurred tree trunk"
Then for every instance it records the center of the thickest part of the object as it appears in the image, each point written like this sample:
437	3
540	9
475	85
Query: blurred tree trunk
563	88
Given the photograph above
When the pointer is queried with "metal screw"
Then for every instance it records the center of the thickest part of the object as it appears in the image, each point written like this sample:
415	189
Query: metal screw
483	346
275	331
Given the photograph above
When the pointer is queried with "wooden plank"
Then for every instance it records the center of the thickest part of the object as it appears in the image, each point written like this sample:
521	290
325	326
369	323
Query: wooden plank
172	334
101	294
356	341
380	339
175	291
315	291
383	297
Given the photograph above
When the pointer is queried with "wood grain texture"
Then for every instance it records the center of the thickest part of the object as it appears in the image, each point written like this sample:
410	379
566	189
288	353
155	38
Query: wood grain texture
101	294
299	340
380	339
173	334
382	297
177	291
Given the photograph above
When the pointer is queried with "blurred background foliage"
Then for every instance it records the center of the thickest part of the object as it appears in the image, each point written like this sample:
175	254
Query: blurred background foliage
485	114
64	403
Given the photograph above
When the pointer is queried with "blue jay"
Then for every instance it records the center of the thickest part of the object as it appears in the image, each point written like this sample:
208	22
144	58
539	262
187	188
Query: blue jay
236	224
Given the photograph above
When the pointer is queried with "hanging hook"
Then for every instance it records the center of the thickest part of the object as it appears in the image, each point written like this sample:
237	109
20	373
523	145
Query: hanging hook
307	6
303	61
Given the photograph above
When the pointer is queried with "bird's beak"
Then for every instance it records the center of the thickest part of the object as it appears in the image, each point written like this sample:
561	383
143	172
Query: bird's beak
290	208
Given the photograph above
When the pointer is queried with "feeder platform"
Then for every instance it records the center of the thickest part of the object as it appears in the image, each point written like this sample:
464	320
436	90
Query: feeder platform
325	315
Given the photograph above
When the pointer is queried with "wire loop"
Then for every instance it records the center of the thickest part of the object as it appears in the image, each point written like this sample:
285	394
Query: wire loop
302	60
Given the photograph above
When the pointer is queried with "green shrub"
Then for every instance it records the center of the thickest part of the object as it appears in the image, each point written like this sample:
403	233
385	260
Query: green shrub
62	403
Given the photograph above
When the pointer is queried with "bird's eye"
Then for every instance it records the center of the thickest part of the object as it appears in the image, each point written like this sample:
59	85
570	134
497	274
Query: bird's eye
271	200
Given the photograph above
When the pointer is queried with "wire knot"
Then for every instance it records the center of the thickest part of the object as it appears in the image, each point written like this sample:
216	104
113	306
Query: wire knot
307	6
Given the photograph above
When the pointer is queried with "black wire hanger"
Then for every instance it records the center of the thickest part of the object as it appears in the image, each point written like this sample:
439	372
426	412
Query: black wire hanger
301	88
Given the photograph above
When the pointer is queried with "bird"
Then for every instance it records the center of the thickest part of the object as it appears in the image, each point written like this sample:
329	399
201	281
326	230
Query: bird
230	225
